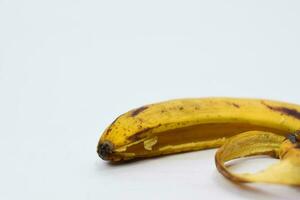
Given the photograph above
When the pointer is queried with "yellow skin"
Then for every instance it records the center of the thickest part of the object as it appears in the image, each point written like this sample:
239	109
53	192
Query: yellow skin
193	124
287	171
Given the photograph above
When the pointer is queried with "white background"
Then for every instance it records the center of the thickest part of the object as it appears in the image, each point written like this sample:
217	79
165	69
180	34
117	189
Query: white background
68	68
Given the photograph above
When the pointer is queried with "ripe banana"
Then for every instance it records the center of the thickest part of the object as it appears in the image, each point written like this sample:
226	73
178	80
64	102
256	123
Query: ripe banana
193	124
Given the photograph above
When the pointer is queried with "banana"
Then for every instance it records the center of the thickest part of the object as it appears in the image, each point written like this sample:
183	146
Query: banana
192	124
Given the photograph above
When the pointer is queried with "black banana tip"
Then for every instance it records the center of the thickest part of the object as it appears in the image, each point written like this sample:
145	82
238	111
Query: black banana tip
104	150
294	138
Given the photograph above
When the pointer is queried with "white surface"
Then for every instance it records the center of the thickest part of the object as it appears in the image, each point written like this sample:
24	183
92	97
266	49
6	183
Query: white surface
68	68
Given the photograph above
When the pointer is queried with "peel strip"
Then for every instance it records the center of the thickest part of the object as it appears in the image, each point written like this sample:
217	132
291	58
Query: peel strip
286	171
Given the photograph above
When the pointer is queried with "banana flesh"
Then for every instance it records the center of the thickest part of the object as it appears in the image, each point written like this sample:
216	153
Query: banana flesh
193	124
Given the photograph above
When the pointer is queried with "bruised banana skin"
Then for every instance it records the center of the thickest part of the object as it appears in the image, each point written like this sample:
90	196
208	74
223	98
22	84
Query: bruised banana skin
192	124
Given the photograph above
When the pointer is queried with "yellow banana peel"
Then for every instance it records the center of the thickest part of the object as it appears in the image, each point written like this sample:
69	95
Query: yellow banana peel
241	127
286	171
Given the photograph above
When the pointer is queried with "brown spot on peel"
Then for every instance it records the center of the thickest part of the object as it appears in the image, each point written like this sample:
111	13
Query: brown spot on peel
110	126
286	111
138	110
108	131
236	105
233	104
137	135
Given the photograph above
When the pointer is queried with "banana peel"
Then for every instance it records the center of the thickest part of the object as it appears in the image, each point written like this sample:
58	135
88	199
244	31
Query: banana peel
286	171
240	127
